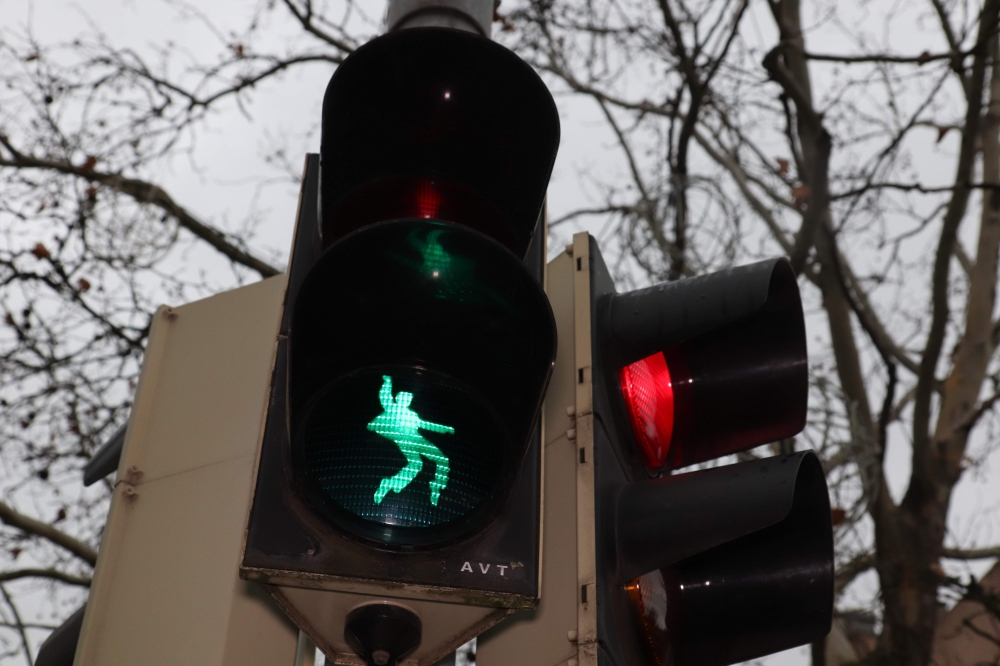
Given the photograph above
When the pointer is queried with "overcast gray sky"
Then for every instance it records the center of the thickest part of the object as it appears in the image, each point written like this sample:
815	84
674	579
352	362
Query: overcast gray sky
220	180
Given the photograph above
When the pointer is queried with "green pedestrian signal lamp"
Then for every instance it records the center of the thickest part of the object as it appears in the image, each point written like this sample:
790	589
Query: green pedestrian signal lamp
402	425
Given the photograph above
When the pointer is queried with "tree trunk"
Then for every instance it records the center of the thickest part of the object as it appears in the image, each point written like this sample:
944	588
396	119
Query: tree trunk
909	547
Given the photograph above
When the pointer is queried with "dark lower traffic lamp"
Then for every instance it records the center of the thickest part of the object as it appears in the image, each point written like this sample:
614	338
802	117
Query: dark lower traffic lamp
382	633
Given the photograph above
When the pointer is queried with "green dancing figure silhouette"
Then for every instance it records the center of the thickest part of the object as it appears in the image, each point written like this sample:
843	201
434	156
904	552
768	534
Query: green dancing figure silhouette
400	424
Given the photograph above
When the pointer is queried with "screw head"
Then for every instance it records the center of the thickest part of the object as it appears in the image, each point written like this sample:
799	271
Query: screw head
380	657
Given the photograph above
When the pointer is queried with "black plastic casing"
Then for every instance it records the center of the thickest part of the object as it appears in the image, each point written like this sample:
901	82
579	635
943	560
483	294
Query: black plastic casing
736	347
438	105
760	530
289	539
467	120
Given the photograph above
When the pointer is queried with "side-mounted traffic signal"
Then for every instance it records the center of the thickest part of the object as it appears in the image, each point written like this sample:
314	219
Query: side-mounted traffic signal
708	366
724	564
400	461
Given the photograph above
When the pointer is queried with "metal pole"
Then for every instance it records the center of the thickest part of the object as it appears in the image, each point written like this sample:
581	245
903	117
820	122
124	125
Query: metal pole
305	651
470	15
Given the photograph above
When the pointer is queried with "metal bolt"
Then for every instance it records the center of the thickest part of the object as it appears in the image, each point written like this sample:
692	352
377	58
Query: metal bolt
571	410
571	635
380	657
571	433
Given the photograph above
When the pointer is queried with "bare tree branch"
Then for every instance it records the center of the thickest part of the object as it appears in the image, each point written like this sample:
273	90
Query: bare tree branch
971	553
910	187
818	179
37	528
306	18
851	570
923	466
979	632
145	193
739	175
53	574
921	59
19	625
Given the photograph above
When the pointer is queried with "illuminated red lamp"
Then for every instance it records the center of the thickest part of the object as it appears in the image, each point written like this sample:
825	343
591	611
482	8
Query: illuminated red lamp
649	399
427	200
427	197
718	393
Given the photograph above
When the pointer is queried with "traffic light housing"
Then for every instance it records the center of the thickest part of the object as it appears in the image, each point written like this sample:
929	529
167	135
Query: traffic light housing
401	458
401	453
437	124
724	564
433	313
707	366
749	572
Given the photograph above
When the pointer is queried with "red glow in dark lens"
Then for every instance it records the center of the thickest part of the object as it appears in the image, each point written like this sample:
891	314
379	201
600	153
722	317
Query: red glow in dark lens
649	397
428	201
430	198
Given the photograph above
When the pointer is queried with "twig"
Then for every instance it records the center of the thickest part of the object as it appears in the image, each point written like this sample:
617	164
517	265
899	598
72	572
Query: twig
145	193
32	526
921	59
979	632
19	625
54	574
971	554
852	570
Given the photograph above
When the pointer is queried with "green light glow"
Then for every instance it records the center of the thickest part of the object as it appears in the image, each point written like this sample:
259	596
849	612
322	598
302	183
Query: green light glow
453	275
436	260
375	453
409	373
400	424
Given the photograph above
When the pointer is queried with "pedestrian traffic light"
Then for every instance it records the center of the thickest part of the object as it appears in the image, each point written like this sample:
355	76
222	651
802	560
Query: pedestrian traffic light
443	365
401	451
724	564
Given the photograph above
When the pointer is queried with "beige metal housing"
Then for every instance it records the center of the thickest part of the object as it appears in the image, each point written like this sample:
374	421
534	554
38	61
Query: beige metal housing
166	589
321	614
550	635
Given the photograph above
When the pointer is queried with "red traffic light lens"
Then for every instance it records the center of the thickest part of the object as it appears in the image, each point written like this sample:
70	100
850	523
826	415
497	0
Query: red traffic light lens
649	398
429	198
735	345
427	201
